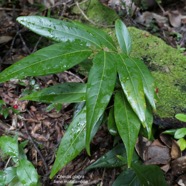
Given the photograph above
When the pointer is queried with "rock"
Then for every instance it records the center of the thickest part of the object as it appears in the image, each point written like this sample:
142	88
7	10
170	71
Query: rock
168	66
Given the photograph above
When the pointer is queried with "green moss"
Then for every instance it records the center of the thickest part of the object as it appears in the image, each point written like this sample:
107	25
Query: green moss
97	12
168	67
101	14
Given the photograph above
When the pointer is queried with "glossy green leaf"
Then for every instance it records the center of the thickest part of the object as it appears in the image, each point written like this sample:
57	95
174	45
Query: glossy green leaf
110	159
104	39
149	174
59	30
170	131
2	178
73	142
26	173
9	146
181	117
182	144
180	133
53	59
100	86
148	81
10	174
123	36
127	178
111	123
149	120
127	123
60	93
132	86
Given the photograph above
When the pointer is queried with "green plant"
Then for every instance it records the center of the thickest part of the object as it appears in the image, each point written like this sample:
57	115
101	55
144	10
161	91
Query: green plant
179	134
4	109
21	171
138	174
117	83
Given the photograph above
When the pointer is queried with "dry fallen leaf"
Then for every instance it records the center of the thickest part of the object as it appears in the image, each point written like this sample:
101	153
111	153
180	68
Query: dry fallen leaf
178	166
174	18
5	39
157	153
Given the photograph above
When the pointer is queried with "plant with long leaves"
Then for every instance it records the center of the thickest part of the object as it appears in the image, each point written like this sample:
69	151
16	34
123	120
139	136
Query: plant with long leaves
114	74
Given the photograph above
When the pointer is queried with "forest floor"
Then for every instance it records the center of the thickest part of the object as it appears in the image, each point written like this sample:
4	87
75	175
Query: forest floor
33	120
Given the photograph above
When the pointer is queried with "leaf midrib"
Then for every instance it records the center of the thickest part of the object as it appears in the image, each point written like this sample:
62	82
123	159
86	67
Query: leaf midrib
76	36
30	66
71	144
132	85
99	87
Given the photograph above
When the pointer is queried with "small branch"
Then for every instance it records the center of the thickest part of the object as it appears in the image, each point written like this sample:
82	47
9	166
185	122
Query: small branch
36	45
10	9
84	15
72	74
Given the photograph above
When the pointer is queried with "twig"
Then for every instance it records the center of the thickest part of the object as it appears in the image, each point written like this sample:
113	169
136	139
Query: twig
10	9
36	45
72	74
8	162
162	9
35	146
85	16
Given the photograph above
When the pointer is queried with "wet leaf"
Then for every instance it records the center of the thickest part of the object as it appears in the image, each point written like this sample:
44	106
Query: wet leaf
73	142
9	146
148	81
26	173
59	30
60	93
100	86
123	36
127	123
53	59
132	86
110	159
102	37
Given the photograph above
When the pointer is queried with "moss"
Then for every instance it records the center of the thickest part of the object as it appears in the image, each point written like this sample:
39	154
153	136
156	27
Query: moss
101	14
168	67
97	12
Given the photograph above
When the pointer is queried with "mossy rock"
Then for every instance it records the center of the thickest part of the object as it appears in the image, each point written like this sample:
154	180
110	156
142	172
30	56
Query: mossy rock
168	66
97	12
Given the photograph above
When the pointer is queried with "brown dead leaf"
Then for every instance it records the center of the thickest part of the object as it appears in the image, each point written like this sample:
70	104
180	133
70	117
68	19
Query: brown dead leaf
178	166
166	167
147	17
157	153
174	18
175	150
5	39
54	115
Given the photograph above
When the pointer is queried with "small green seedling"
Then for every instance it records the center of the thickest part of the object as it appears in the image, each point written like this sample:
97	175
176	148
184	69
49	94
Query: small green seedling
18	170
179	134
5	110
